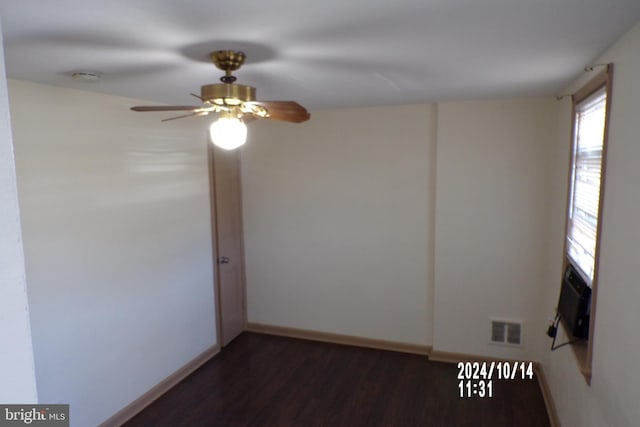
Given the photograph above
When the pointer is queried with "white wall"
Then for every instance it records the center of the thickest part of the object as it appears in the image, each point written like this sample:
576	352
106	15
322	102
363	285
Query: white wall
338	216
491	203
17	375
612	399
117	238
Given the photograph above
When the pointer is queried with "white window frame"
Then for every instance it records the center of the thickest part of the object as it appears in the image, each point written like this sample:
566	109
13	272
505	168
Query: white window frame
584	351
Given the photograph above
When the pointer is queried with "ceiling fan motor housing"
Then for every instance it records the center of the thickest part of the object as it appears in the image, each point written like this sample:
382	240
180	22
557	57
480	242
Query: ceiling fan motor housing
227	94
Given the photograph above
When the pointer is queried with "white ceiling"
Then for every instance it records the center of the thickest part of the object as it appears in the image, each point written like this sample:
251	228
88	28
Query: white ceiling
323	54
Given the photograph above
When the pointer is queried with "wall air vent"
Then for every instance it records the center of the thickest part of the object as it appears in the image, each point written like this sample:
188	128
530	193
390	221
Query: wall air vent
506	332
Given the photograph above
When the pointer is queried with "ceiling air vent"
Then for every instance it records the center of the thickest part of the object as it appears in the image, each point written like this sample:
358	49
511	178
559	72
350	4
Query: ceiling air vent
506	332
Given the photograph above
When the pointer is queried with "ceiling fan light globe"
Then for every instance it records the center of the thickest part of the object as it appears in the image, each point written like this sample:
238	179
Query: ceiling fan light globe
228	133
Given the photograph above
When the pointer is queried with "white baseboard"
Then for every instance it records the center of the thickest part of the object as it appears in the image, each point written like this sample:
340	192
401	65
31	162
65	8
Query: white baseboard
311	335
548	398
132	409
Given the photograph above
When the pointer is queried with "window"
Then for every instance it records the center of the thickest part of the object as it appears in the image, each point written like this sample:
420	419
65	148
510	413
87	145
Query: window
586	178
591	106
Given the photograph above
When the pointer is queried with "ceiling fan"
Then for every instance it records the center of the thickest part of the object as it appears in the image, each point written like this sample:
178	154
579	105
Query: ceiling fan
235	103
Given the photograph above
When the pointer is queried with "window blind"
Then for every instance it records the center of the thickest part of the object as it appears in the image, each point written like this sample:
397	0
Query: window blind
588	141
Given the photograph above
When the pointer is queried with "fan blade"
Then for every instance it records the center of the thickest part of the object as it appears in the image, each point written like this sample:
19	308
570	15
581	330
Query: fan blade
165	108
288	111
181	117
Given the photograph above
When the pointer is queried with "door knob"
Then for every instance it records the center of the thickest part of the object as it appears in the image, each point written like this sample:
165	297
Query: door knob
223	260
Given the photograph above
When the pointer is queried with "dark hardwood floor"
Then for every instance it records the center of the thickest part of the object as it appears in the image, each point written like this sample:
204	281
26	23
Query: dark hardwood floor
262	380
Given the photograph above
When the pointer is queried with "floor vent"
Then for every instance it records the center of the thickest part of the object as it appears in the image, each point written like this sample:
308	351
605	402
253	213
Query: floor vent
506	332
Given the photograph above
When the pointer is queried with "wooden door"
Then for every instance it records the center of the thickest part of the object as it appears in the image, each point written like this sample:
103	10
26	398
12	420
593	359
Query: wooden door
228	238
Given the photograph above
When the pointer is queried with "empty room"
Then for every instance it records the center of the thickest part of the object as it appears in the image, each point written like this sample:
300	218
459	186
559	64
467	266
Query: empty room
418	213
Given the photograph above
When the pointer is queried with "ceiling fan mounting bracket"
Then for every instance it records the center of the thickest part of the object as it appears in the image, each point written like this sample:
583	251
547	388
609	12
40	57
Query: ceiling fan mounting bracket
227	61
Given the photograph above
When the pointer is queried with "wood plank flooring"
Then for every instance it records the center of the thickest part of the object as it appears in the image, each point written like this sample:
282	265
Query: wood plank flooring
263	380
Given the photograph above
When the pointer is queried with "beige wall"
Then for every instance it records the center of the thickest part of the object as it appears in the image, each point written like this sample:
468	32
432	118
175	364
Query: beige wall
351	227
17	376
338	217
492	197
340	214
117	239
612	398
